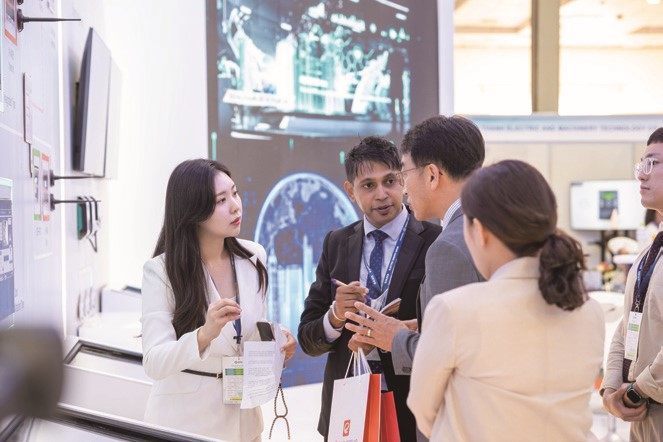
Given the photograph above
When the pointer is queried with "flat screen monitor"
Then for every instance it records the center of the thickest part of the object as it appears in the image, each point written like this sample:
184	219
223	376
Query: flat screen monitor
606	205
92	104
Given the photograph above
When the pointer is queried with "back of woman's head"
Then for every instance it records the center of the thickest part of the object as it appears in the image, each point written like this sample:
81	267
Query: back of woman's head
515	203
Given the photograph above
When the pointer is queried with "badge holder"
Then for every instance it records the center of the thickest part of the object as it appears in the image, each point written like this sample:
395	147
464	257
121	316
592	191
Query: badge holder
233	380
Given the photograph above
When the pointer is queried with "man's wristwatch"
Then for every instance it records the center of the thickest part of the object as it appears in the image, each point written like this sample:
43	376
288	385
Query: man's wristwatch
634	396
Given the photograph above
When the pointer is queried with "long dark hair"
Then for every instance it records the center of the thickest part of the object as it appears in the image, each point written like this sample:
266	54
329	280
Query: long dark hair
514	202
190	200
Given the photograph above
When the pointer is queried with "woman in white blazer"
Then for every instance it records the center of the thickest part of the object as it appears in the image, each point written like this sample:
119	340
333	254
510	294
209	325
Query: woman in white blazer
203	288
513	358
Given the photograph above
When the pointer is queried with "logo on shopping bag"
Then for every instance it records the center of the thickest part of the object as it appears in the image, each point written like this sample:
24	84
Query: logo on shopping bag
346	428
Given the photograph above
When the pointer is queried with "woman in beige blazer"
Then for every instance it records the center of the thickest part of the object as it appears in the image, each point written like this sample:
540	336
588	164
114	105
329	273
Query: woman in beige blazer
513	358
202	288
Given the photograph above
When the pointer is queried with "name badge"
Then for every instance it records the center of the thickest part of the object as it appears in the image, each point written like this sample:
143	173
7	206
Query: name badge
233	379
632	335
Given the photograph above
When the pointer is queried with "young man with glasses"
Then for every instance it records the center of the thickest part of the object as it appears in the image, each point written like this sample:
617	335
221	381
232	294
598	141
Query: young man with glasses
632	386
377	259
438	155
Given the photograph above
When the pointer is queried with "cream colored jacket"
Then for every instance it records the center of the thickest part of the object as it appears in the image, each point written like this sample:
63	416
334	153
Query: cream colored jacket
495	362
186	401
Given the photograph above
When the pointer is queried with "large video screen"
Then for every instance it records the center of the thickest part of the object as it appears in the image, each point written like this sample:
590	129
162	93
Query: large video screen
292	86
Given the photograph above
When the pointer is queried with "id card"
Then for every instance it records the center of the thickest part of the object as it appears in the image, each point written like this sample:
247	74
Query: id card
233	379
632	335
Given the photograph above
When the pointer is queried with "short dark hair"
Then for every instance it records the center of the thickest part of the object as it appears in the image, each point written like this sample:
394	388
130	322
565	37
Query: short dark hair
454	144
656	137
371	150
514	202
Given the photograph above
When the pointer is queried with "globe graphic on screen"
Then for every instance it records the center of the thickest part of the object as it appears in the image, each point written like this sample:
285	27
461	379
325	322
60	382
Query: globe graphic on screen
294	219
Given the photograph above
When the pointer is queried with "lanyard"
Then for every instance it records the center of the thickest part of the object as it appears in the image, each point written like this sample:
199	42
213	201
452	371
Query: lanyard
237	323
642	284
392	262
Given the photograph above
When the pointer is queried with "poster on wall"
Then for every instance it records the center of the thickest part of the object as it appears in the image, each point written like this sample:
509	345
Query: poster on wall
293	85
36	185
41	203
45	187
27	109
6	251
11	27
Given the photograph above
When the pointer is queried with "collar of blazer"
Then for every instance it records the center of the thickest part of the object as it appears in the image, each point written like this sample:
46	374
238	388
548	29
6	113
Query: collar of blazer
526	267
458	213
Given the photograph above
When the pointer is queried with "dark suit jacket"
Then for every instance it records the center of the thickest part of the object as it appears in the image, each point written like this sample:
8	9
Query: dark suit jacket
341	259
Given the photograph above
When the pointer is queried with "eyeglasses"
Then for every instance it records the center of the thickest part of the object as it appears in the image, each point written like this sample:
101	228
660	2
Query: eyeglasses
403	173
400	176
645	166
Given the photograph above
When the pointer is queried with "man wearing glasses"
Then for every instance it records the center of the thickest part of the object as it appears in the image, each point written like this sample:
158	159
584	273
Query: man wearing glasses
376	260
438	155
632	386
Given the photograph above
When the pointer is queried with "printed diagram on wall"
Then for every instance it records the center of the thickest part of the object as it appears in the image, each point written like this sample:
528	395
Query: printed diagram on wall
41	203
11	28
45	188
36	187
27	108
6	251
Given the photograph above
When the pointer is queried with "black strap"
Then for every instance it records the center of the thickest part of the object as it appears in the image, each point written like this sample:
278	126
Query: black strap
204	373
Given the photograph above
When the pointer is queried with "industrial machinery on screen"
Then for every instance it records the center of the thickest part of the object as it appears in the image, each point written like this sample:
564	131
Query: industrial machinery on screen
285	67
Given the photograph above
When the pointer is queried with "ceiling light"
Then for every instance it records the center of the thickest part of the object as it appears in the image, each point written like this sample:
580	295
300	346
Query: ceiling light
653	2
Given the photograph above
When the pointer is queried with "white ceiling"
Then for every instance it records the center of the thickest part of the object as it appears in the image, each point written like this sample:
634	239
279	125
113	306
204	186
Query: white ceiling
583	23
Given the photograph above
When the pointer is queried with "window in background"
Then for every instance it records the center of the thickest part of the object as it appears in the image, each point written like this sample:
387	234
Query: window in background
611	56
492	57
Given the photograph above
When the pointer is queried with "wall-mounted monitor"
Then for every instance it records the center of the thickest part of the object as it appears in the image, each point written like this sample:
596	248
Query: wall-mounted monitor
606	205
96	97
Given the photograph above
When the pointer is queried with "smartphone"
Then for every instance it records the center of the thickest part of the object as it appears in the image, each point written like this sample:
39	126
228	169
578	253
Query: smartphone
265	330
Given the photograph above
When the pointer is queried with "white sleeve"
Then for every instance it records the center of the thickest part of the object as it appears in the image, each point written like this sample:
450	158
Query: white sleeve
163	353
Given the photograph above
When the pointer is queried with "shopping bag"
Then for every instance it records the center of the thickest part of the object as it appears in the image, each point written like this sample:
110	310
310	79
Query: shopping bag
348	417
373	411
389	431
